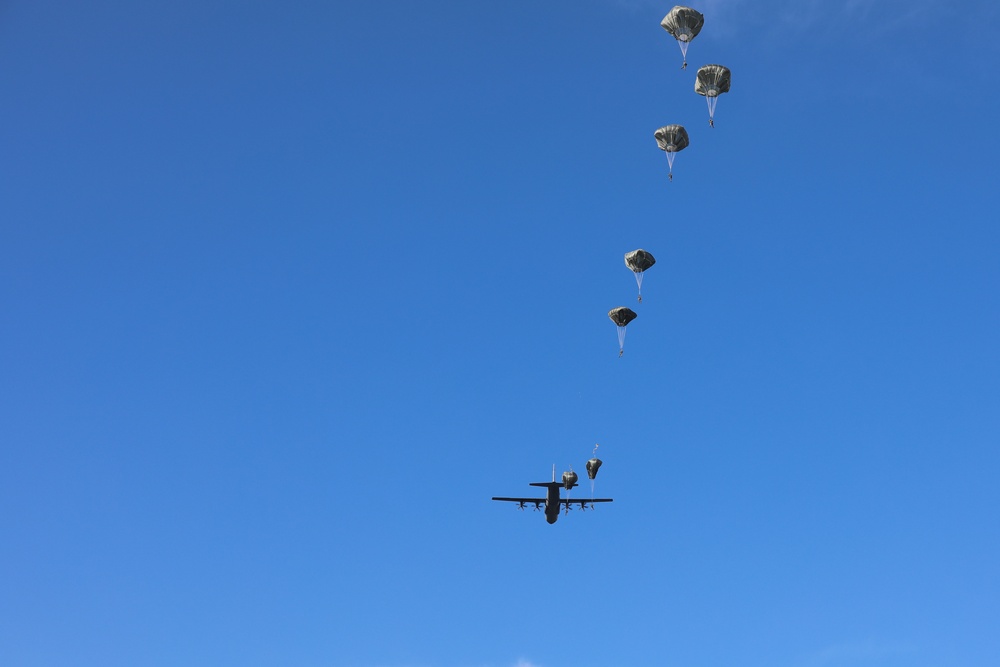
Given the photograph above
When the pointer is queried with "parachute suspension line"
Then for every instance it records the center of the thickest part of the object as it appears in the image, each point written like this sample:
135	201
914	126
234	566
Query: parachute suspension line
568	492
684	52
621	340
638	281
712	101
670	162
594	478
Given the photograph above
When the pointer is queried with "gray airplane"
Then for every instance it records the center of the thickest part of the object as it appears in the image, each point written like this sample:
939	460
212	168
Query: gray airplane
553	503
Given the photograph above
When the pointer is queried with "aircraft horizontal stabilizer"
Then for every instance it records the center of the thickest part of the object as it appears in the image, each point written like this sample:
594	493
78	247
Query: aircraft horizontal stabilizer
548	484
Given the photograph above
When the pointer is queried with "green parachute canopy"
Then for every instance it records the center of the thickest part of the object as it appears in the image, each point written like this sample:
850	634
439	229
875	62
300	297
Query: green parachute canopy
569	479
684	24
712	81
638	261
622	315
671	139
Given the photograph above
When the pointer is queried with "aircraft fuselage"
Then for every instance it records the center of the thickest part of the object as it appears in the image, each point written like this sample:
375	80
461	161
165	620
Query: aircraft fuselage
552	507
552	504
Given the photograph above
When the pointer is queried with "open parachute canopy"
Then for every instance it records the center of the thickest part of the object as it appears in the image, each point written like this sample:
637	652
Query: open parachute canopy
621	316
671	139
712	81
684	24
638	261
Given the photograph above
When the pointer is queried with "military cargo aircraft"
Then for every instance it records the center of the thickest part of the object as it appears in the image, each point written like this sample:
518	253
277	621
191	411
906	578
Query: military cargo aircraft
552	502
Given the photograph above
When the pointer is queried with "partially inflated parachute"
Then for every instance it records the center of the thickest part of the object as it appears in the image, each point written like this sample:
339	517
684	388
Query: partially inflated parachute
671	139
621	316
712	81
593	465
684	24
638	261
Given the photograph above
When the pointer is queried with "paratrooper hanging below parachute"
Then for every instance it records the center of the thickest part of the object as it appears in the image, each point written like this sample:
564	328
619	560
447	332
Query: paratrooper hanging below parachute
671	139
621	316
638	261
684	24
712	81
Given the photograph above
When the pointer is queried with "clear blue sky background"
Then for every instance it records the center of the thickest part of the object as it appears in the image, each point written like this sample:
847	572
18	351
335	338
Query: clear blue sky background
288	290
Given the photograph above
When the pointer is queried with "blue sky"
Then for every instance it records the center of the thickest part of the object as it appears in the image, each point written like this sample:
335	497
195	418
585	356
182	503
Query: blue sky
289	290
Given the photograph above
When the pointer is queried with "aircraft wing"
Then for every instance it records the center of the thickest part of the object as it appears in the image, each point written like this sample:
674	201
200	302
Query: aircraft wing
584	501
520	500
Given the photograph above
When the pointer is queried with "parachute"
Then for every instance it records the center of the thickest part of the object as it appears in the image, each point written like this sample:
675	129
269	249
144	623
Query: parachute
569	479
712	81
592	467
638	261
621	316
671	139
684	24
